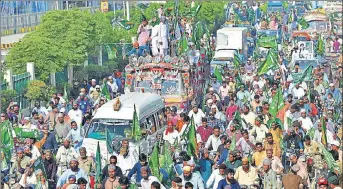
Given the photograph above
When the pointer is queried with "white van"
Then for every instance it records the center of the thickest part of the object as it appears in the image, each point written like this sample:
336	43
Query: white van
149	106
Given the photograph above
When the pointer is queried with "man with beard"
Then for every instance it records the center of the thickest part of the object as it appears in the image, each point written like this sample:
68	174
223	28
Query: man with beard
248	115
64	154
113	161
255	103
19	164
74	170
276	164
318	134
259	130
204	130
112	181
188	176
268	175
302	172
292	114
259	155
61	128
271	144
86	163
147	178
244	143
214	141
40	110
50	143
28	178
170	134
75	135
137	168
245	174
197	114
76	114
229	180
50	167
292	180
13	113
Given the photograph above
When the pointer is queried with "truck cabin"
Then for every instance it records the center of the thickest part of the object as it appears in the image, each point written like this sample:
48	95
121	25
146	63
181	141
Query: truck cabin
317	22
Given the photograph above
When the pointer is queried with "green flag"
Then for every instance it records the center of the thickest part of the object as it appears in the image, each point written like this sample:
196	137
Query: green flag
320	46
182	45
236	61
39	165
270	63
111	51
109	142
105	93
282	146
192	139
267	42
305	75
264	7
239	81
26	133
310	132
330	161
98	165
125	24
218	74
136	128
238	119
65	93
303	24
285	5
154	162
251	15
6	139
195	10
167	163
277	103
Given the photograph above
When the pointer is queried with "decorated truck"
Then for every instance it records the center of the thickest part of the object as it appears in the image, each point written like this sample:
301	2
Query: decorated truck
178	80
318	23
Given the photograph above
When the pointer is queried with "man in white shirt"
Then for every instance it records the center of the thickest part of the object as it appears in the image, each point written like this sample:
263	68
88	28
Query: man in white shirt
298	92
28	178
223	90
306	123
170	134
259	130
163	36
28	124
216	176
148	180
197	114
248	115
64	155
214	141
318	135
75	135
75	114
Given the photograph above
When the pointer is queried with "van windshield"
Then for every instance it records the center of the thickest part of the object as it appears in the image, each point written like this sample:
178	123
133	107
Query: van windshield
115	128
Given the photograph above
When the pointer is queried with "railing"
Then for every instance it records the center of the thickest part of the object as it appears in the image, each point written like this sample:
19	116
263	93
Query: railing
20	83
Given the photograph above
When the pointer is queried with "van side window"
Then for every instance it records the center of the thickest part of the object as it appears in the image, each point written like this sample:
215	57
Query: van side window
151	125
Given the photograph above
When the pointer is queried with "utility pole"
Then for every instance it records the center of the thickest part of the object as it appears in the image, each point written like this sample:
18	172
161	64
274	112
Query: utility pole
127	11
114	9
124	8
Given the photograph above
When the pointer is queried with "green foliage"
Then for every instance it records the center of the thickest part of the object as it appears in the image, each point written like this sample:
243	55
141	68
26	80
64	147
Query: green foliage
63	37
38	90
6	97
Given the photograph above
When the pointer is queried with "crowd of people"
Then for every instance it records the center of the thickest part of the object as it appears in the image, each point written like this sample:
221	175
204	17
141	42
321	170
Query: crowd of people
240	144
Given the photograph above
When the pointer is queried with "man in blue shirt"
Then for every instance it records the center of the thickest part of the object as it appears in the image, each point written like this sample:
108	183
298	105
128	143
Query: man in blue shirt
50	143
225	153
83	103
229	180
74	170
336	94
137	168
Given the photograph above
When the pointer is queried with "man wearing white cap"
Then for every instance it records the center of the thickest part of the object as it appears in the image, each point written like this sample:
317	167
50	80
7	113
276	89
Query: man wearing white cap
93	85
113	87
27	124
298	91
195	179
335	147
305	122
208	106
73	170
336	94
163	36
64	155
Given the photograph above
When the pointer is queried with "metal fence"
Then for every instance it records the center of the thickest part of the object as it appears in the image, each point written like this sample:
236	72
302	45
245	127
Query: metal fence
20	23
20	83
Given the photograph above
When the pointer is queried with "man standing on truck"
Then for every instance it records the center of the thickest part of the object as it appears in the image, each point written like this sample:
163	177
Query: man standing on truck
163	36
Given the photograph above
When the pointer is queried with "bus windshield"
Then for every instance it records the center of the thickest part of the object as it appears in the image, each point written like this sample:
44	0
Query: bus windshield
115	128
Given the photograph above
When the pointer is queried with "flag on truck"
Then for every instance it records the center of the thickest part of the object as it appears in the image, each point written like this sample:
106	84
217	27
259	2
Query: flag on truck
271	63
136	128
98	165
267	42
111	51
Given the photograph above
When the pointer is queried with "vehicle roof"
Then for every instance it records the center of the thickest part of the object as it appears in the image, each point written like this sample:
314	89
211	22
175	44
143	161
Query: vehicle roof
233	29
145	104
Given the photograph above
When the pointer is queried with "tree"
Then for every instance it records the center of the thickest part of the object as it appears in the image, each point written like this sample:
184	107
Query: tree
38	90
62	38
6	97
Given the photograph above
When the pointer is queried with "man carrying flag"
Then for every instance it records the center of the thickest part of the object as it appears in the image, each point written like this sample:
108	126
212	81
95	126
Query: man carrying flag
322	135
